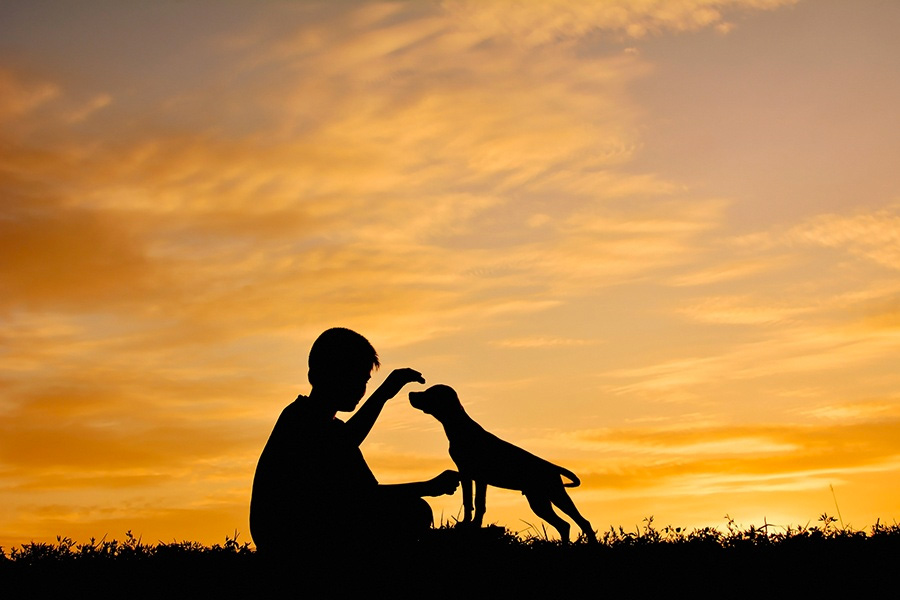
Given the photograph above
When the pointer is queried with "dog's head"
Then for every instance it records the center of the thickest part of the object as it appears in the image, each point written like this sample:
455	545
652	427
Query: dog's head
438	401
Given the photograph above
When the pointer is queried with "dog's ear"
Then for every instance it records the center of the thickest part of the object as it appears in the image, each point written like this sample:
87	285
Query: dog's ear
450	396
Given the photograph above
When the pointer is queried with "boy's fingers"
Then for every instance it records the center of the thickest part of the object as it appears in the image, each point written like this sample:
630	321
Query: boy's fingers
416	376
451	481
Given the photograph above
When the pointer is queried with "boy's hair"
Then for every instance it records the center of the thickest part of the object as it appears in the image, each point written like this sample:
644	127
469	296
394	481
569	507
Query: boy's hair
338	350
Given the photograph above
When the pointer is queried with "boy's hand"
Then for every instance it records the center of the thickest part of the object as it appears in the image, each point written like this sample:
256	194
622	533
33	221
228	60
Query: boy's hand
445	483
396	380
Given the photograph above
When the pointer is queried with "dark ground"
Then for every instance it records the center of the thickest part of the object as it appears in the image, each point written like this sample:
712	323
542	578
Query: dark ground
817	563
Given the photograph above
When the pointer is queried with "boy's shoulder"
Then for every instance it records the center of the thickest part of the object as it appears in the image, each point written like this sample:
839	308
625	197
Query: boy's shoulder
301	414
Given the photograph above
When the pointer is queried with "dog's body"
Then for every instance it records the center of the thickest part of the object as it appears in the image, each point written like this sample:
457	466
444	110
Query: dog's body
485	459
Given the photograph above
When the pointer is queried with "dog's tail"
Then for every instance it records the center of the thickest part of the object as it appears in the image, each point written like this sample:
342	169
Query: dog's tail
567	473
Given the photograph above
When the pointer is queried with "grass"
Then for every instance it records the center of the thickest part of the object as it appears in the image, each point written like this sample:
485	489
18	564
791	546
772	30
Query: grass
825	558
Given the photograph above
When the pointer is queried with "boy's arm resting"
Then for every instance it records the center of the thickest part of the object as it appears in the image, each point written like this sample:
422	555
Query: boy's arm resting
360	424
444	484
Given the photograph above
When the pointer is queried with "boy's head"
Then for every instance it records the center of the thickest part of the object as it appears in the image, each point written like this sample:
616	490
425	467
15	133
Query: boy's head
340	363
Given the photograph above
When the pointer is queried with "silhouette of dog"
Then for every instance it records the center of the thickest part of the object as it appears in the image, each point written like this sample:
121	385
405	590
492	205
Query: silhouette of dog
487	460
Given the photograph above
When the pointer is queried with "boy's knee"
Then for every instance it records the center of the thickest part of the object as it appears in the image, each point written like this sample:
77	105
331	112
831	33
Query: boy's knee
406	517
420	515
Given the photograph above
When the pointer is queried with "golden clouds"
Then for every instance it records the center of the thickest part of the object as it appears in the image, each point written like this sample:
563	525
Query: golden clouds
707	459
547	22
740	310
21	97
542	342
47	263
472	186
414	149
91	422
873	236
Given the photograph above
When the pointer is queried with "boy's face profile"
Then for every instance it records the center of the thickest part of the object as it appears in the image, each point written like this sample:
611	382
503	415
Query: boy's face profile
340	364
345	388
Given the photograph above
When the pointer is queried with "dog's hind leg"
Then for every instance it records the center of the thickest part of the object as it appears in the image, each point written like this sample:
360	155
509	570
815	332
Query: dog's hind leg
480	502
562	500
541	506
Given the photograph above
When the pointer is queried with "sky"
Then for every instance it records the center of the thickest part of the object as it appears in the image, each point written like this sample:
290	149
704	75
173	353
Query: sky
656	242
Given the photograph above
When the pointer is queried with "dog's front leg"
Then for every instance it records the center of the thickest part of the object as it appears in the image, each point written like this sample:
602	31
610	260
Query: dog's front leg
466	483
480	502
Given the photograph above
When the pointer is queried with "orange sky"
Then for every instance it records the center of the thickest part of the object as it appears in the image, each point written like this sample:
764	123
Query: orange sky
656	242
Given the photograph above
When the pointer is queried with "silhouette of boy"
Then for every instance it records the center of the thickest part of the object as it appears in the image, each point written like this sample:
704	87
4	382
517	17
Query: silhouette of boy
312	484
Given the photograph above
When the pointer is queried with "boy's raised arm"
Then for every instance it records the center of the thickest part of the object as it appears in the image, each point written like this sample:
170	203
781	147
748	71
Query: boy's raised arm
360	424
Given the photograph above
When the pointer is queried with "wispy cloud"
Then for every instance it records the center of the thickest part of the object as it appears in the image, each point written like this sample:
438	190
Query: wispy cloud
740	310
22	96
744	455
546	22
542	342
875	236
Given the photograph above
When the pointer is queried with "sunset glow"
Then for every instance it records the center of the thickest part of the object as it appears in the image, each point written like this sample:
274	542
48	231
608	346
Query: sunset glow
655	242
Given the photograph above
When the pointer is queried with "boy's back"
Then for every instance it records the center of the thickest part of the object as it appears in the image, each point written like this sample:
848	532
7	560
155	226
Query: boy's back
310	480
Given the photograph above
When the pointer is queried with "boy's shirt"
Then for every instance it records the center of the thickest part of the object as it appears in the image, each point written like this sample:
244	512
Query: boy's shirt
310	478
